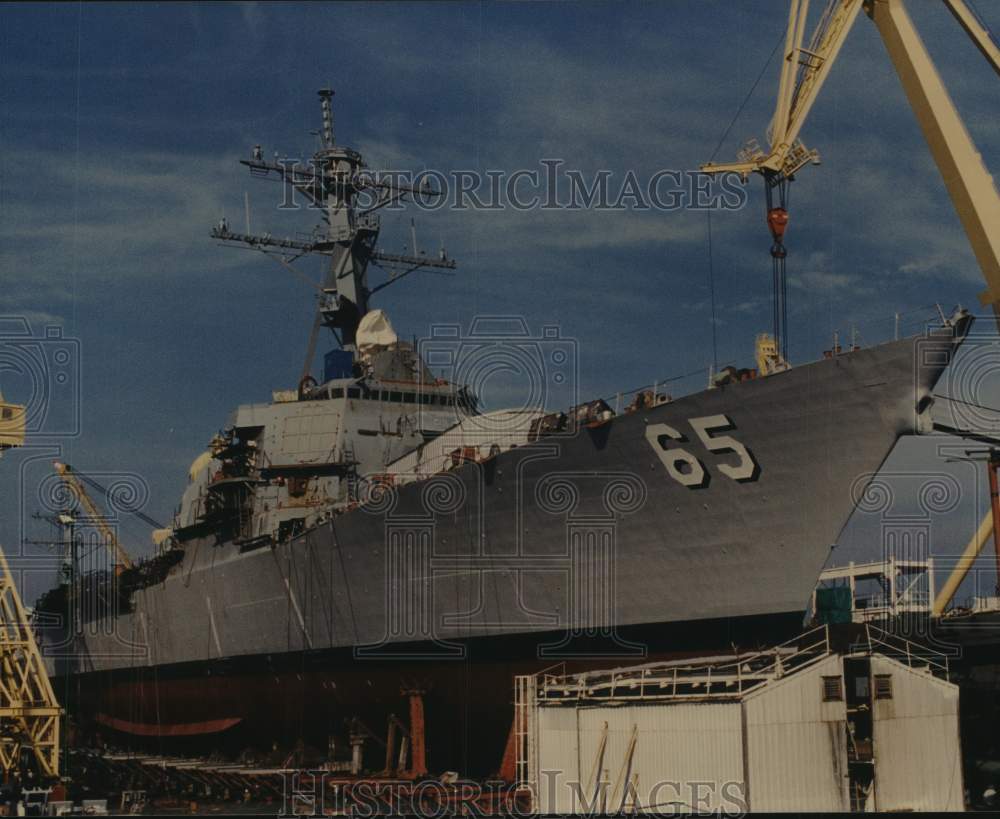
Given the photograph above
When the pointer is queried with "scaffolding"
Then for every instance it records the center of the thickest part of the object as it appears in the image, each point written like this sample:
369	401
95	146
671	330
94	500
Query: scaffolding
883	589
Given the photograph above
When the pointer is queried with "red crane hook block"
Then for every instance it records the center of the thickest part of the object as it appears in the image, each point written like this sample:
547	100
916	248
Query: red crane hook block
777	221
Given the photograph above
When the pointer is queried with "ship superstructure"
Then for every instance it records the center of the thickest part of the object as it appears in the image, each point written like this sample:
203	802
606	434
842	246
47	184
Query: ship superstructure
281	467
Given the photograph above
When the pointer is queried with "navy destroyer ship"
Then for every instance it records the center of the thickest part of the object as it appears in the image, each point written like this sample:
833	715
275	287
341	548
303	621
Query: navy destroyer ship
372	531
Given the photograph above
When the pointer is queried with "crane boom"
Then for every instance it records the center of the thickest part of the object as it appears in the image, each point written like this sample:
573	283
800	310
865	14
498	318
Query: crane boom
118	553
965	176
808	68
980	36
805	69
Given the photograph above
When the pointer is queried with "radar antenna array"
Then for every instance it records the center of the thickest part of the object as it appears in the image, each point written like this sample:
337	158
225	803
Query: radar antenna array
332	183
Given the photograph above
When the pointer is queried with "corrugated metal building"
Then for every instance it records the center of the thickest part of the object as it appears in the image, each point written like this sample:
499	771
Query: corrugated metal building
798	727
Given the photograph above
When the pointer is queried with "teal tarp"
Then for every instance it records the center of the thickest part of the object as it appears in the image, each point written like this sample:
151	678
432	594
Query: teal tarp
833	605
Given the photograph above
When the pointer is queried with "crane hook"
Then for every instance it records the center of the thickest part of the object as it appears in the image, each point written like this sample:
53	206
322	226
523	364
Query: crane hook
777	221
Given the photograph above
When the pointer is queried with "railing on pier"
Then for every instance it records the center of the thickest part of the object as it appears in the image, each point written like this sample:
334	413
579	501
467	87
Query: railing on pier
724	677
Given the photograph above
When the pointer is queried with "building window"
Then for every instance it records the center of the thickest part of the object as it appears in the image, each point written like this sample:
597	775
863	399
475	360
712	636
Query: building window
883	686
861	688
833	689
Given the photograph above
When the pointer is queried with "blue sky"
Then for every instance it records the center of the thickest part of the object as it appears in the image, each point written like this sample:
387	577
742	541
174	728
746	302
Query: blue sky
120	126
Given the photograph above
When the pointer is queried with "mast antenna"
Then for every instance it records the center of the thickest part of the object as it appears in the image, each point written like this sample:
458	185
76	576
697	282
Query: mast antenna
325	95
347	235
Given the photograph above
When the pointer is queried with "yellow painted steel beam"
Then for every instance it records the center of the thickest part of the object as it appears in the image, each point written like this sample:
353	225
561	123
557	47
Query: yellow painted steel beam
965	176
972	550
28	705
12	424
979	35
797	13
838	19
118	553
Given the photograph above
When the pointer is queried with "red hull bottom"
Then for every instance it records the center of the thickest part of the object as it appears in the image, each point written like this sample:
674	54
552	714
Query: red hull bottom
283	702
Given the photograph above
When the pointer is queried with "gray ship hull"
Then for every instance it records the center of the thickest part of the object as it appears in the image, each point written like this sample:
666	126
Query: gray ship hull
578	533
588	541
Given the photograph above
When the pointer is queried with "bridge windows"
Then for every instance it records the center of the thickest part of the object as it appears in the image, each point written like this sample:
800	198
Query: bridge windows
398	397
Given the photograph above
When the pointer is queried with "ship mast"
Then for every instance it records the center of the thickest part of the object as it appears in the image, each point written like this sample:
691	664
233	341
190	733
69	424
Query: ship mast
332	182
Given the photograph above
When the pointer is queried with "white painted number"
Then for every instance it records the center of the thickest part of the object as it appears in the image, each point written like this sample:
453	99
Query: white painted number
694	473
685	468
746	469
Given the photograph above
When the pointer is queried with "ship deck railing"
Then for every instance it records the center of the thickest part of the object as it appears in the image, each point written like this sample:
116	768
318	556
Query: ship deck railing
889	329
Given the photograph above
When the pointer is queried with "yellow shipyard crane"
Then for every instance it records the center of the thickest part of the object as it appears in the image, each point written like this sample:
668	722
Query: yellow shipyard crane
29	712
805	67
12	424
120	557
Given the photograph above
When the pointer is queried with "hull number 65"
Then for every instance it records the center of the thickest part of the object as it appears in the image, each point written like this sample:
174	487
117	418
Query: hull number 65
688	470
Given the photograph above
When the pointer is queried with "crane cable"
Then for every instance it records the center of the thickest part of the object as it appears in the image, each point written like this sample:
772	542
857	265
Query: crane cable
107	495
711	271
746	99
711	291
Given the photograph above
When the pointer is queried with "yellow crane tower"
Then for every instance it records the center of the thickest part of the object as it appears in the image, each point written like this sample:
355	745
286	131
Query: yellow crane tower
12	424
118	554
805	68
29	712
